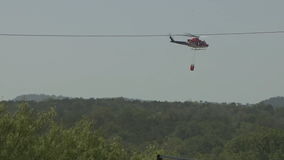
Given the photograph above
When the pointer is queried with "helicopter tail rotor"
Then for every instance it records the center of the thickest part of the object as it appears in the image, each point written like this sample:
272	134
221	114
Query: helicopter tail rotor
172	40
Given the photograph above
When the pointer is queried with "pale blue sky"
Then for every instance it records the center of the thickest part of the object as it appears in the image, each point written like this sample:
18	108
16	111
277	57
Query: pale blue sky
239	68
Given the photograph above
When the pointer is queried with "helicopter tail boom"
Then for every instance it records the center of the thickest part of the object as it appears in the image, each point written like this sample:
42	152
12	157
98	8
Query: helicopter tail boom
179	42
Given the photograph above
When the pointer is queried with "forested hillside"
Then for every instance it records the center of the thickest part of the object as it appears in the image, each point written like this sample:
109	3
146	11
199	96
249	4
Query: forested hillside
275	101
37	97
200	130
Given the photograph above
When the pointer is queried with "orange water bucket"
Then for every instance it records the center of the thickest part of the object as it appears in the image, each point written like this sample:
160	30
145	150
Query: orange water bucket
192	67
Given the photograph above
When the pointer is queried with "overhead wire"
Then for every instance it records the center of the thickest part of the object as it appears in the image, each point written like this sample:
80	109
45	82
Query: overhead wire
130	35
239	33
83	35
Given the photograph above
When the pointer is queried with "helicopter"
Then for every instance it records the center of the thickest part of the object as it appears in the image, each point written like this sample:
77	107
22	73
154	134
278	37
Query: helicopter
195	43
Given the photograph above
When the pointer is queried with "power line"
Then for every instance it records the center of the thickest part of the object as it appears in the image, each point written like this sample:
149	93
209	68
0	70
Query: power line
83	35
130	35
239	33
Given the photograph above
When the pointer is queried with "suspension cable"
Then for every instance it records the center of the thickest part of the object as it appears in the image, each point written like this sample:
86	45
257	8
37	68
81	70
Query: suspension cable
129	35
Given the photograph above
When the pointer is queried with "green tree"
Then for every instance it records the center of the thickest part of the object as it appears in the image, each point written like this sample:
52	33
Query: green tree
26	135
263	144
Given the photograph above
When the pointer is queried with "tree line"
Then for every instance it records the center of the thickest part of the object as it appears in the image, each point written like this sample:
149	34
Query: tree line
119	128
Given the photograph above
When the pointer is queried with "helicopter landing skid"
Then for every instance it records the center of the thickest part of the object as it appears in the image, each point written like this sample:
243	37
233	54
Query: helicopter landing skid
198	49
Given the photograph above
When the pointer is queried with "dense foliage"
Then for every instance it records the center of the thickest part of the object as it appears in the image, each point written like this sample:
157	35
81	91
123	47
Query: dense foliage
134	129
29	135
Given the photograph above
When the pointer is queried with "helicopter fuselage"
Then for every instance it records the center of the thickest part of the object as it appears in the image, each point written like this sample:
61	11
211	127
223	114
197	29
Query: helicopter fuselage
195	43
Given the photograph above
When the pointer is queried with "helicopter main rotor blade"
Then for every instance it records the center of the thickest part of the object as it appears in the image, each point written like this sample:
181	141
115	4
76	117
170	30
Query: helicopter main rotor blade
188	35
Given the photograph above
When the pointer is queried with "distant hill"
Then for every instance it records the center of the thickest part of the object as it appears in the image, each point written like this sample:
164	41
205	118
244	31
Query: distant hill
37	97
275	101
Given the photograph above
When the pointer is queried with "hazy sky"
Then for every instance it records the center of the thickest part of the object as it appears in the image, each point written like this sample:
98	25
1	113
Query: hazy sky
238	68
